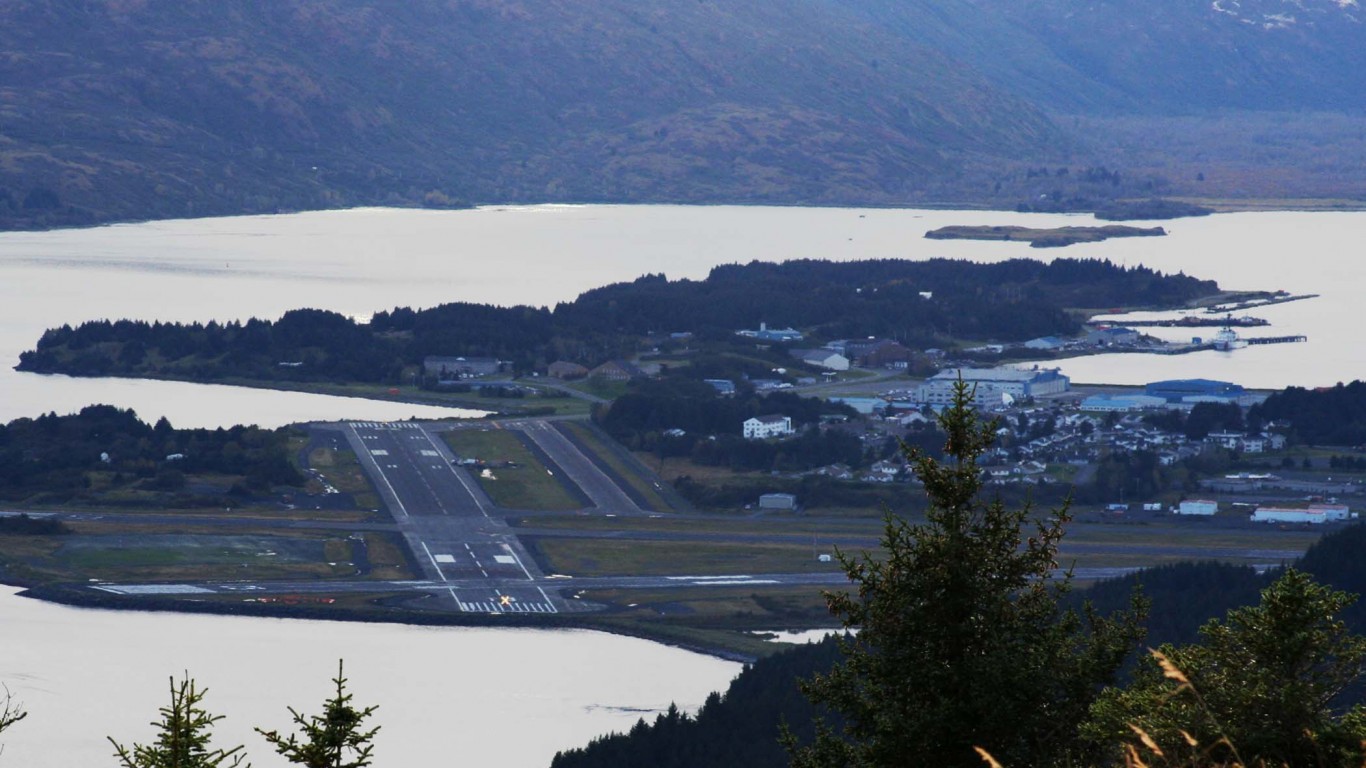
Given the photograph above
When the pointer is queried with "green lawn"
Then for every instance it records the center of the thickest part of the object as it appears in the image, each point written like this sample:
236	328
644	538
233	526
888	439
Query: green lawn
528	485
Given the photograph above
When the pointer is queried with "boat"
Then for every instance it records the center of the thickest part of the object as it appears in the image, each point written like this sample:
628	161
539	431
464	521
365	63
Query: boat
1227	339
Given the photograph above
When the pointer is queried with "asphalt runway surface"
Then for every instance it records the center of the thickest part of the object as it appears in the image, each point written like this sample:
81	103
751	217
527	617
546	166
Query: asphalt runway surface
443	515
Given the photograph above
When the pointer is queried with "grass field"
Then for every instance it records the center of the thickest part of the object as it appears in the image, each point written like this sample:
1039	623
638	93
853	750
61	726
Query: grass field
186	551
626	557
712	617
529	485
342	470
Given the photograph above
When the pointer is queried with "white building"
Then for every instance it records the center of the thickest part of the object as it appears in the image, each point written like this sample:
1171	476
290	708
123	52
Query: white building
777	501
988	385
1314	513
1197	507
764	427
828	359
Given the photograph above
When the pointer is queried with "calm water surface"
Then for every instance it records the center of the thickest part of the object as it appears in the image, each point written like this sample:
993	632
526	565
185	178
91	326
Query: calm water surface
363	260
447	696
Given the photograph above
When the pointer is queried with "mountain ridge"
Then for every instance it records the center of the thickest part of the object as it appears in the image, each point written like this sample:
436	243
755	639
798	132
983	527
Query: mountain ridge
128	109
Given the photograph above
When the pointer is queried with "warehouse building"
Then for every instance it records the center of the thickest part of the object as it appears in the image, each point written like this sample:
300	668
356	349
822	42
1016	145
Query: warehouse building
993	386
1195	391
1314	513
1197	507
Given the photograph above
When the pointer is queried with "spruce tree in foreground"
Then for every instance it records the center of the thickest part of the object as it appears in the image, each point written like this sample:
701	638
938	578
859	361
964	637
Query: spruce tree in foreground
1265	686
334	739
183	734
961	642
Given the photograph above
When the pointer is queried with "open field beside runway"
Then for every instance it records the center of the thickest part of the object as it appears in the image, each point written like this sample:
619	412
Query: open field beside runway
635	557
122	551
339	470
516	478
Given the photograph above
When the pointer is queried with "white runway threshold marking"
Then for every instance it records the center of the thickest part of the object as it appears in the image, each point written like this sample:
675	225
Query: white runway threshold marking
444	558
157	589
505	559
378	452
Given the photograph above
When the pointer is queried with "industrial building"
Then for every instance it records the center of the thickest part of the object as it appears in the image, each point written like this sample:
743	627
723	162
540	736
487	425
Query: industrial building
1197	507
1121	403
1195	391
993	386
778	501
454	368
1314	513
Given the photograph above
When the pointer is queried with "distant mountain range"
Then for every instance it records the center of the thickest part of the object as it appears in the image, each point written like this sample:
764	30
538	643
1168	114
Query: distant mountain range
118	109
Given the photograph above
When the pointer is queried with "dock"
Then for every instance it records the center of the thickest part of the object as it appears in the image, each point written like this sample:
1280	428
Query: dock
1277	340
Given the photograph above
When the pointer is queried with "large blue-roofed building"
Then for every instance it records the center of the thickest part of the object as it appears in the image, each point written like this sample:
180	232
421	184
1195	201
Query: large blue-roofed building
1194	390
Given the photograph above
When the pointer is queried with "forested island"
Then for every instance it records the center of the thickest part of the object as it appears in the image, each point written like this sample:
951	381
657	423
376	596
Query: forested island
919	304
1055	237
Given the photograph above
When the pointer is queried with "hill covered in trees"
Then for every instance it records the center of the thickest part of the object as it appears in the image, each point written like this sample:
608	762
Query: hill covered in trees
1328	416
127	109
108	450
918	303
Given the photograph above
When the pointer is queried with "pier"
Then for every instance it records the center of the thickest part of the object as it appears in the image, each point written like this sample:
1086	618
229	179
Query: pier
1277	340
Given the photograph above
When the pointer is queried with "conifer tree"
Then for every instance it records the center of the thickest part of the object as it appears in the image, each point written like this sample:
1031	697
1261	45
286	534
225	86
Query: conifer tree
183	736
334	739
1265	686
960	639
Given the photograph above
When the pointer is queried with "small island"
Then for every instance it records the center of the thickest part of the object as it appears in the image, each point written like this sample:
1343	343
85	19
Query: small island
1055	237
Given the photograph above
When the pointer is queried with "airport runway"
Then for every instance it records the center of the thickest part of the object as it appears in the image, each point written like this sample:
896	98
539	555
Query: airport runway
835	579
606	496
443	515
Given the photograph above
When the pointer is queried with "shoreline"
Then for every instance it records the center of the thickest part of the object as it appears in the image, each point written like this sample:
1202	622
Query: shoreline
75	598
1217	204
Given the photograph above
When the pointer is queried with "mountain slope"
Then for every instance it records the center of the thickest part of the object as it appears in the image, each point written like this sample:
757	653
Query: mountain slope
151	107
